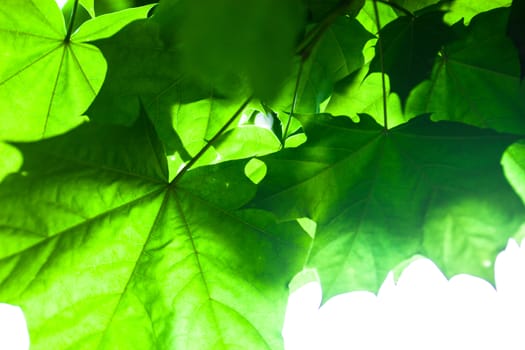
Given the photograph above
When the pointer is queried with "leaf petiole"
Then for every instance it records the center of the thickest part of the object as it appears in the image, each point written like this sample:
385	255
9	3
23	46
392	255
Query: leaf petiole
71	22
294	103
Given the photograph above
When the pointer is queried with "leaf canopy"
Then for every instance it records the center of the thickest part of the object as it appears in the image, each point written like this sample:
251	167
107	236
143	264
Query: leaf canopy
338	54
230	146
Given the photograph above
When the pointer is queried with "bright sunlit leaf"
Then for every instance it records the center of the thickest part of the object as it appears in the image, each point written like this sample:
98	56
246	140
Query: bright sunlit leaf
49	75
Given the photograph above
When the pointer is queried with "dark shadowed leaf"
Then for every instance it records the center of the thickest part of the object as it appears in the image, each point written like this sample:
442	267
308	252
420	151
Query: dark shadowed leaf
233	43
367	16
144	73
516	30
319	10
361	93
476	80
410	46
141	68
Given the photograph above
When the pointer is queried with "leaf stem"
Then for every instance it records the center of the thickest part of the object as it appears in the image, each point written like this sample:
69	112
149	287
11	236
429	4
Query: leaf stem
71	22
397	7
382	64
211	141
294	102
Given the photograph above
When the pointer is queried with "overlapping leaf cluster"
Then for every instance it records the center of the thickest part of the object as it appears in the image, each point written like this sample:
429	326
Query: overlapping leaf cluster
167	169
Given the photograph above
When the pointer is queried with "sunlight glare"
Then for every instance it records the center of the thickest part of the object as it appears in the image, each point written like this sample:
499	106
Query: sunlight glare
13	328
61	3
421	310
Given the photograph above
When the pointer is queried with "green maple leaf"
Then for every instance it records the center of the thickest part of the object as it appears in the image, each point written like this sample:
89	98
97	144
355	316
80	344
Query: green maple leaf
109	254
515	29
49	75
337	55
142	69
367	15
379	197
476	79
361	93
144	74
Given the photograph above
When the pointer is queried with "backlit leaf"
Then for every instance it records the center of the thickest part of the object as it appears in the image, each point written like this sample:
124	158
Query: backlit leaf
380	197
336	56
207	177
233	43
476	80
46	80
107	247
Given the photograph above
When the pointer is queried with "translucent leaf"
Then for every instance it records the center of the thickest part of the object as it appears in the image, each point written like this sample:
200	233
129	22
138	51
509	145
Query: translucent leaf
98	243
46	80
466	9
476	79
106	25
380	197
360	94
89	5
338	54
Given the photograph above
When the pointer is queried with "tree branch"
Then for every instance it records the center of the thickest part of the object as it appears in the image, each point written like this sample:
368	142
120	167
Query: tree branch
71	22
